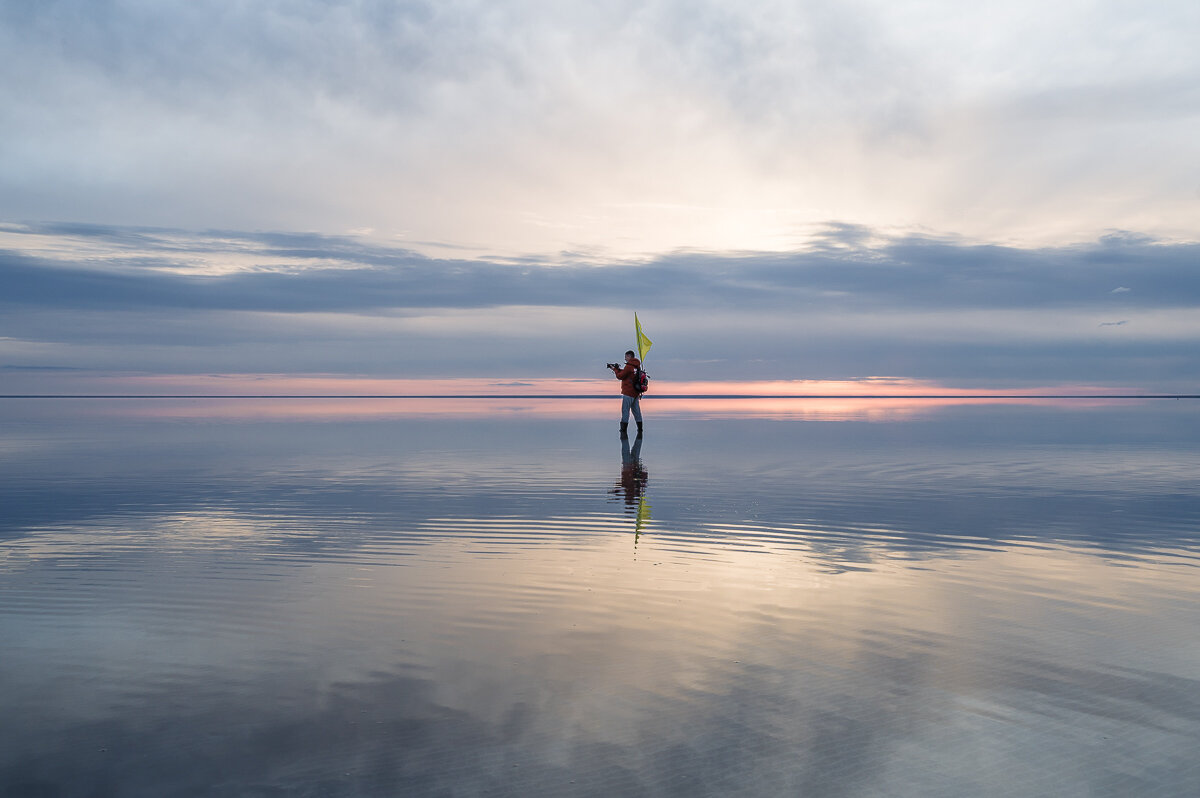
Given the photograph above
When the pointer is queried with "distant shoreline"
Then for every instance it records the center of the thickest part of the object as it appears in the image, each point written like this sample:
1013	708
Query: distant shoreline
600	396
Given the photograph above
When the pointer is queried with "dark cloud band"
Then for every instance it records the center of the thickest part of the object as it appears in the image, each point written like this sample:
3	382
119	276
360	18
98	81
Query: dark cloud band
845	268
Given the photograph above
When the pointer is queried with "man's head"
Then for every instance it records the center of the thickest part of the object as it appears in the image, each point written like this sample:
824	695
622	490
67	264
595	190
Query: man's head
629	355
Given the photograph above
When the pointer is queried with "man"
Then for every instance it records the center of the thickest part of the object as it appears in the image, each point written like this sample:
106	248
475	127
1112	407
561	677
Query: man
629	396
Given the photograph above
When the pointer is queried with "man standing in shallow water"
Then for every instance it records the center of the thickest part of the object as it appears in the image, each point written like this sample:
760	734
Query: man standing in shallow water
629	394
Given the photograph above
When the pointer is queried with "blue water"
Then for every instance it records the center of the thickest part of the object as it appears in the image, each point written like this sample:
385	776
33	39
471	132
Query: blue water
967	600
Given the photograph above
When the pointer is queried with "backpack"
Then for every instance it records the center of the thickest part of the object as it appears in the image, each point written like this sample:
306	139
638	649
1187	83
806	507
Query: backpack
641	382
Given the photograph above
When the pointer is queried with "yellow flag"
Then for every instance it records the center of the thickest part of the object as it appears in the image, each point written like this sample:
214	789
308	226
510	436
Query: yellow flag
644	343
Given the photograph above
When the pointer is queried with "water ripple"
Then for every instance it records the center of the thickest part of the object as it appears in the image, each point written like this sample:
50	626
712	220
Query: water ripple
381	609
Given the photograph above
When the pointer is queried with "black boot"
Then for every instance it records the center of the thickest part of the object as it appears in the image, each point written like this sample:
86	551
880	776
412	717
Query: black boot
639	429
624	429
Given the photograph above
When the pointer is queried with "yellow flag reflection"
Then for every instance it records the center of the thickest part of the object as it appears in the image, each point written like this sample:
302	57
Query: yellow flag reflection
643	515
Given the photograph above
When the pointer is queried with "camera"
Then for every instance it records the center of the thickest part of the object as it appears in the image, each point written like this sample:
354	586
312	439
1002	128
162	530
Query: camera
613	366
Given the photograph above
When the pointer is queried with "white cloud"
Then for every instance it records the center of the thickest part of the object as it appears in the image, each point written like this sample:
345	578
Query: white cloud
517	127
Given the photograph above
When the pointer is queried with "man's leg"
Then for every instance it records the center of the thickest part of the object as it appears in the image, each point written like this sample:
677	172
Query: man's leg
625	402
637	412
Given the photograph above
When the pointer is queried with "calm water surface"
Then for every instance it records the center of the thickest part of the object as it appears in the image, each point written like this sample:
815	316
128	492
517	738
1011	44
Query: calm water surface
506	600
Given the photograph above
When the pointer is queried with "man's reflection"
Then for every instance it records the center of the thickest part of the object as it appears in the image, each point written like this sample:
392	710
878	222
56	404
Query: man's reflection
631	487
633	474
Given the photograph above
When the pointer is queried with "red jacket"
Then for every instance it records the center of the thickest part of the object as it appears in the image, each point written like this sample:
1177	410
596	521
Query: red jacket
625	375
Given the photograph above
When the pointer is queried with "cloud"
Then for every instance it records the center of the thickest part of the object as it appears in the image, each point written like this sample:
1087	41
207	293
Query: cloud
1114	323
528	172
844	268
634	127
857	301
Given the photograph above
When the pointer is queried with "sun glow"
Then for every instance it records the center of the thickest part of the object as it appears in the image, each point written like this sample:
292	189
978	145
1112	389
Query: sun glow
335	385
280	396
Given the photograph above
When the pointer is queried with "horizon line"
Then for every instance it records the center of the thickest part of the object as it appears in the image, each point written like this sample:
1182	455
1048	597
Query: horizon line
600	396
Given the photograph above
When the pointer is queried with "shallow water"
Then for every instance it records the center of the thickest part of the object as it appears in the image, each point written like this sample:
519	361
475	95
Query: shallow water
495	598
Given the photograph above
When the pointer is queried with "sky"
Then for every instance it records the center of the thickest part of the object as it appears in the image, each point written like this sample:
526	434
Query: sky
968	196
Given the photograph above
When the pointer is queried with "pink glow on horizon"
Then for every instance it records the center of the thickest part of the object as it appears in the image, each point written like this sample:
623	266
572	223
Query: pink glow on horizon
865	387
797	408
339	385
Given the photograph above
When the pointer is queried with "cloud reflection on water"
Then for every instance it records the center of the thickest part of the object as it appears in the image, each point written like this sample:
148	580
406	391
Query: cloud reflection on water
682	668
978	599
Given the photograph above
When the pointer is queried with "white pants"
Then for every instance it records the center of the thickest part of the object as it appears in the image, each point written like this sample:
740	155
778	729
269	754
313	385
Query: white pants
630	403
